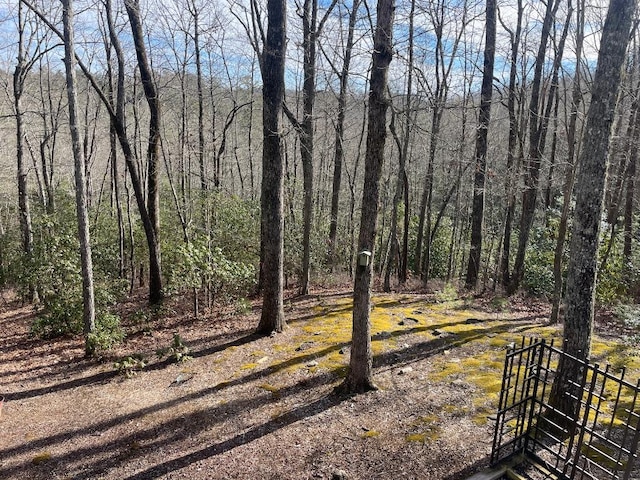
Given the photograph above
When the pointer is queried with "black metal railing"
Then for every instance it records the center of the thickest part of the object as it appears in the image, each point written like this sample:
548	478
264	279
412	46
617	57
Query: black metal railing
597	439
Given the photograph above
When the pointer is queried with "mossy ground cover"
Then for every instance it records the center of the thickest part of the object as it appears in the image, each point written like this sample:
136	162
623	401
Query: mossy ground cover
255	407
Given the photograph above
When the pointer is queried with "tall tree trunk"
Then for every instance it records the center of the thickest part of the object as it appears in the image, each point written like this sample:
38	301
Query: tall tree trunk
630	192
582	269
477	213
536	148
310	31
396	257
439	96
626	172
195	13
272	225
153	193
309	21
576	100
360	377
89	314
50	122
119	122
19	76
339	139
113	158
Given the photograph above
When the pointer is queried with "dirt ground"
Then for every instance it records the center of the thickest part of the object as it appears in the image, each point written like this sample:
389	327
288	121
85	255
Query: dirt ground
250	407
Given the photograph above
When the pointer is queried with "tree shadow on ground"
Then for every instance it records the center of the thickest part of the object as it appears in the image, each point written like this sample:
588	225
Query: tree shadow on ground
101	426
102	377
469	470
306	411
93	461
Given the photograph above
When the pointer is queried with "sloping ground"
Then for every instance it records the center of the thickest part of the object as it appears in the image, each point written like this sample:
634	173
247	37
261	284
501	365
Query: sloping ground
251	407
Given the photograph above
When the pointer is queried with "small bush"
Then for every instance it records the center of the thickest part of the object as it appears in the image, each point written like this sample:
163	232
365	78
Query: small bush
176	352
538	267
61	316
243	306
108	332
130	365
449	293
198	264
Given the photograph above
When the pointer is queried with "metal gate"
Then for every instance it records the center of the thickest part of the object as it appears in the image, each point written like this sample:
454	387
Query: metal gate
598	441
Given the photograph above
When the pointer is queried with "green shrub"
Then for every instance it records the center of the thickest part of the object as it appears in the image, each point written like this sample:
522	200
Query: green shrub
439	261
177	351
449	293
538	265
617	280
108	332
130	365
197	264
243	306
54	272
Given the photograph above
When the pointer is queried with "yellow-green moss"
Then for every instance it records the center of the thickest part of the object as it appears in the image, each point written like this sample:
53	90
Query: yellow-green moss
455	409
603	455
370	434
416	437
41	458
426	420
431	435
269	388
480	419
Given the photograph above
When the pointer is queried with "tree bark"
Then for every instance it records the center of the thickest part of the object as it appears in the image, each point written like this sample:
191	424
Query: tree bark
24	206
536	148
272	225
582	269
630	193
338	155
576	100
477	213
153	171
360	376
195	13
119	122
397	255
89	314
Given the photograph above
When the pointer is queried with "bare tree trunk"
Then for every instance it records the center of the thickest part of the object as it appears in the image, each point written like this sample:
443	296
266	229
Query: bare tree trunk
536	148
89	314
19	76
486	92
360	377
193	8
339	139
113	158
153	193
309	21
272	66
403	154
630	193
50	124
443	68
582	269
118	121
576	100
625	179
310	31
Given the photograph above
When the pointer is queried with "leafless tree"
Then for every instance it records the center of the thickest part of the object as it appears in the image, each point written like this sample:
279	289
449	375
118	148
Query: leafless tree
477	214
360	377
89	313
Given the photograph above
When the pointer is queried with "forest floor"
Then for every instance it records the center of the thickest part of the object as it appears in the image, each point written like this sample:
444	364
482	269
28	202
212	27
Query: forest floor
250	407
